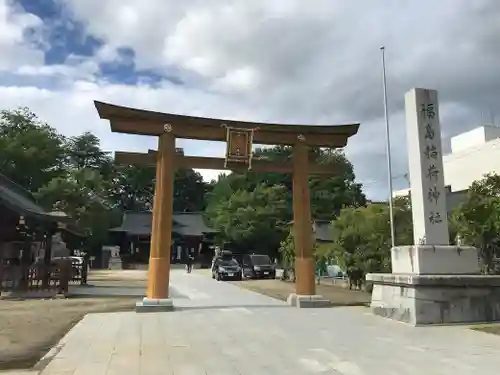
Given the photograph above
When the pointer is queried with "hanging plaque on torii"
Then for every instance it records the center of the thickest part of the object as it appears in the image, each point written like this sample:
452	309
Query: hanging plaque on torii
239	146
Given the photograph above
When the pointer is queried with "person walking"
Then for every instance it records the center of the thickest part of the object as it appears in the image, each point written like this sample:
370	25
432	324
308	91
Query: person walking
189	262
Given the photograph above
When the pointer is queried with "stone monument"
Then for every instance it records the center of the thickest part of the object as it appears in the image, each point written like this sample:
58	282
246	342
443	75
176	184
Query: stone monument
432	282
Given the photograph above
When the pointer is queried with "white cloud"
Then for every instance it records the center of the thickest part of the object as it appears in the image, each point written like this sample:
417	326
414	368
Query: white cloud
71	111
110	54
14	24
243	79
74	68
275	60
142	26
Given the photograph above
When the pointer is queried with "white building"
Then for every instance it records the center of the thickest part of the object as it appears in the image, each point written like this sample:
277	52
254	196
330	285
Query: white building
473	154
401	193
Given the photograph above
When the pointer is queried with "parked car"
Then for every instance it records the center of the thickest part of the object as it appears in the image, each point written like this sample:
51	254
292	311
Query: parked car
226	269
335	272
258	266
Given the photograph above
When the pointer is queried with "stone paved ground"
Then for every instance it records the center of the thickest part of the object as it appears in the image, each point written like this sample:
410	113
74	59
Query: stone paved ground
221	329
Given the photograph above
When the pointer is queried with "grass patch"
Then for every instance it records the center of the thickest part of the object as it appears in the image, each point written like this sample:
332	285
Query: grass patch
336	294
493	328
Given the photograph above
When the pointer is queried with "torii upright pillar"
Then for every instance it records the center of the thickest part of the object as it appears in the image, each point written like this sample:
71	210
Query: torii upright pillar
303	241
305	287
161	236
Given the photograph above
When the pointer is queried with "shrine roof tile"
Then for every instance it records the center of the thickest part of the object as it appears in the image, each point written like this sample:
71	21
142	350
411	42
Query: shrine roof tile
20	200
184	223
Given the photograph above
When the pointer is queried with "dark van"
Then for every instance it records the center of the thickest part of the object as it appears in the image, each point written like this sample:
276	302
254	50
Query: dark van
257	266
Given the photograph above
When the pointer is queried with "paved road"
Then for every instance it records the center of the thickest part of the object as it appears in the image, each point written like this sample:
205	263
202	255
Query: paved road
221	329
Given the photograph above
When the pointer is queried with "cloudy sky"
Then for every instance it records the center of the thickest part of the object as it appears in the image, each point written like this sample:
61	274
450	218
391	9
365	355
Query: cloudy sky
295	61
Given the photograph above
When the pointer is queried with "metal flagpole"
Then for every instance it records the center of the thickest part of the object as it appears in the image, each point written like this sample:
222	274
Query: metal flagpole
388	145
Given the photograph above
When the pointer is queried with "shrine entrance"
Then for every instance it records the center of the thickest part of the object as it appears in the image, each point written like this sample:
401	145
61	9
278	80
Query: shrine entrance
239	137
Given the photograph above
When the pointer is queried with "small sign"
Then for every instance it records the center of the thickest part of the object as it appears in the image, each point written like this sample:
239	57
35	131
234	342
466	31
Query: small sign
238	145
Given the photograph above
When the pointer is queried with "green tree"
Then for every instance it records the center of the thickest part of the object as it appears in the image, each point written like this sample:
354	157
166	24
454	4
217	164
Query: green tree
287	255
362	236
332	193
287	251
132	188
31	152
189	191
83	191
252	220
76	176
220	192
477	220
329	194
84	151
82	195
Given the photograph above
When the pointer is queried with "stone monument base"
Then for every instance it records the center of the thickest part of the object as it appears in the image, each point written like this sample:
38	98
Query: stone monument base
115	264
436	299
302	301
435	260
154	305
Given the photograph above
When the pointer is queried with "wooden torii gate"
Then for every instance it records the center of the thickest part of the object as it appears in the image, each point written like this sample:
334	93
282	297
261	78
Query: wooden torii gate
239	137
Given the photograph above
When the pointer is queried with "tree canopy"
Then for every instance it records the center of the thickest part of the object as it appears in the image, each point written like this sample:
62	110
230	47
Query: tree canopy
31	152
477	220
76	176
251	220
362	239
240	190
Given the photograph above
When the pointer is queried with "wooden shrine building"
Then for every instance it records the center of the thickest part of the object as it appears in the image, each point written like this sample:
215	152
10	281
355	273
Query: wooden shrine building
239	137
23	221
26	235
189	235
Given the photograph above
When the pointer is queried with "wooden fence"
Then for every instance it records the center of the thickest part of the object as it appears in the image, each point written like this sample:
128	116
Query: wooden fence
37	277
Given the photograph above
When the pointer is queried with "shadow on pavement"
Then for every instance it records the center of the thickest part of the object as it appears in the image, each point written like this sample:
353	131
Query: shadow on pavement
114	291
228	307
